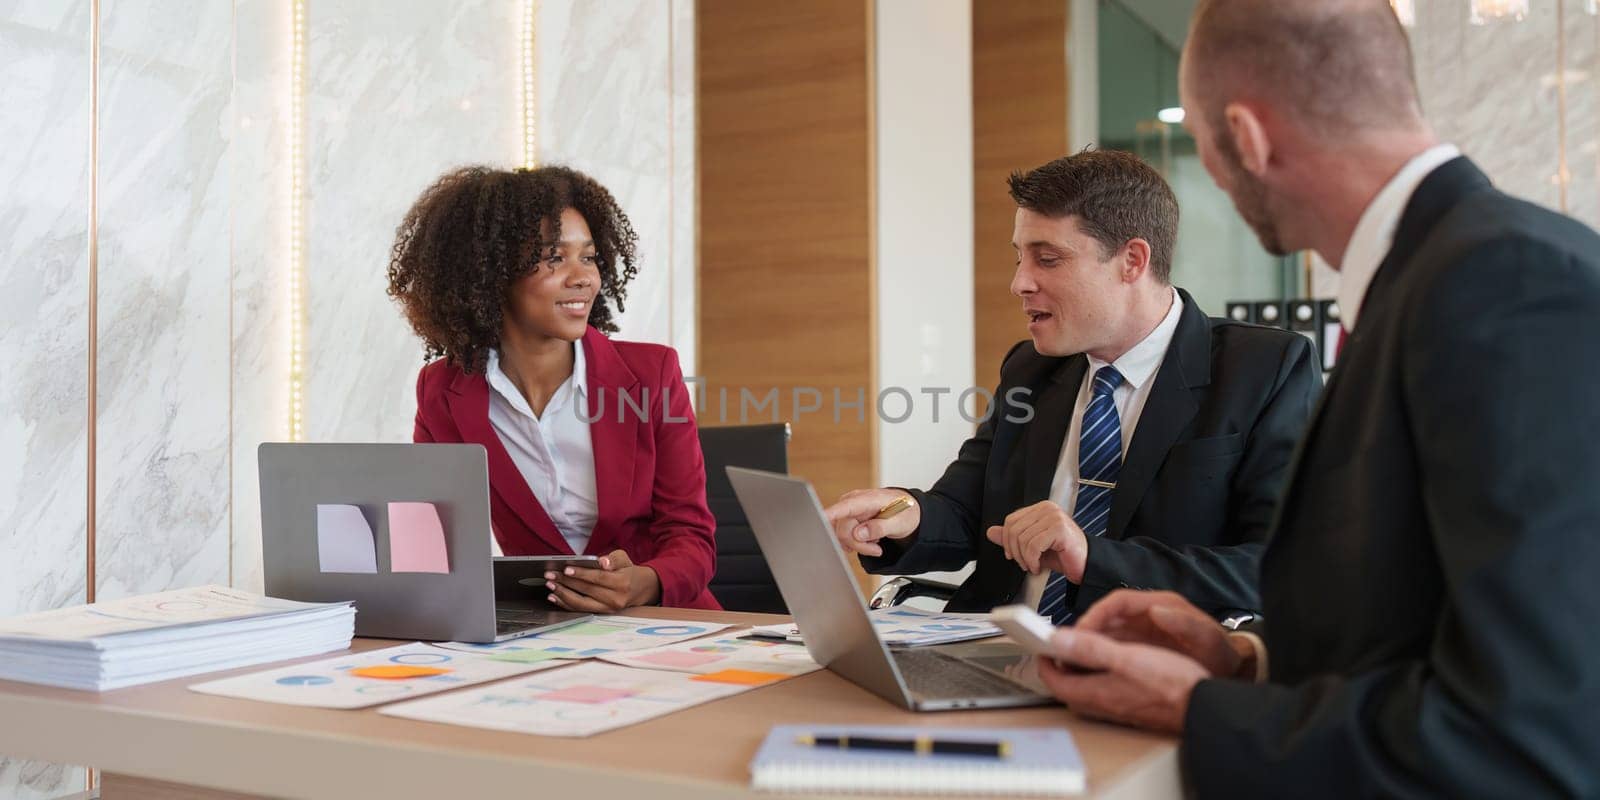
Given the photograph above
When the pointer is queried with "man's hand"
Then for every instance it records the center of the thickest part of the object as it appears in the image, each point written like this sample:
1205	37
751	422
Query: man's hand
1166	620
618	584
855	524
1043	537
1134	684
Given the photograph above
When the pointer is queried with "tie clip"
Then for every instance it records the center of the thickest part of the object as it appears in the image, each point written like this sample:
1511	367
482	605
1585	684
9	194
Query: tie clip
1096	484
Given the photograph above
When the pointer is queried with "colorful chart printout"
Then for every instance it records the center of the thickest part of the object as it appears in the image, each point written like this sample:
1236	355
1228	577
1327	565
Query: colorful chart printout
905	627
720	654
594	637
577	701
370	678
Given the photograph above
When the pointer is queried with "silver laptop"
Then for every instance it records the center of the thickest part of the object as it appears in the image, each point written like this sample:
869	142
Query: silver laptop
826	603
460	605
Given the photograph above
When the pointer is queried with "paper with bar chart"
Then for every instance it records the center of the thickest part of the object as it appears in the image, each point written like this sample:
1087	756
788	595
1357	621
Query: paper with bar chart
370	678
576	701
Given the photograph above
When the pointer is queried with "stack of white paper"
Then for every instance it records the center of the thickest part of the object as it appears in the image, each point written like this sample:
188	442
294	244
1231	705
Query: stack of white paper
157	637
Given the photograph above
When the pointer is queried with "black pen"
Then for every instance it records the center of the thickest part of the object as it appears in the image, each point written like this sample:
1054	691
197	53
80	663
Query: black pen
922	745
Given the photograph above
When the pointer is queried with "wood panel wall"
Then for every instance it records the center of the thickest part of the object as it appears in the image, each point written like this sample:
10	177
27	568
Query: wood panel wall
1019	112
786	287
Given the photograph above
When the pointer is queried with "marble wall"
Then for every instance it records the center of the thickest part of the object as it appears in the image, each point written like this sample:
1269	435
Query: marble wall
684	191
616	100
162	454
392	101
259	260
193	178
44	288
1495	89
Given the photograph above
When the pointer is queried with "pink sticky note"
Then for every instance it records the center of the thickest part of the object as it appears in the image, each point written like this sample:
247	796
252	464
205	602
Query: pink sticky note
586	694
416	539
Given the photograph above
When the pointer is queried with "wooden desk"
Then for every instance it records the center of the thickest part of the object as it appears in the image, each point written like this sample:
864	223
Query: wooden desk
147	738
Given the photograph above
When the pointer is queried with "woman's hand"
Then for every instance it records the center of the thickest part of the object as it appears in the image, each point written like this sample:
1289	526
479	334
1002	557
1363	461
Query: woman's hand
618	584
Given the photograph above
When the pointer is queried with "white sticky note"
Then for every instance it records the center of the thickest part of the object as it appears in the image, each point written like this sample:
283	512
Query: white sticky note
344	540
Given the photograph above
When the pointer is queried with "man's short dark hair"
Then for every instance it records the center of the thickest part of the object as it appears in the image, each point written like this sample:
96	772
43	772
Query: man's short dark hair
1116	197
1336	67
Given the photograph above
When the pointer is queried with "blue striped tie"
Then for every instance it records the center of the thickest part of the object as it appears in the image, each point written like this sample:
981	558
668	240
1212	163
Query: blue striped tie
1099	460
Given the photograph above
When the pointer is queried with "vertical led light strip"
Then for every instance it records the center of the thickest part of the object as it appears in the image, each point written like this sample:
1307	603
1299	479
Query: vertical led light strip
297	91
530	153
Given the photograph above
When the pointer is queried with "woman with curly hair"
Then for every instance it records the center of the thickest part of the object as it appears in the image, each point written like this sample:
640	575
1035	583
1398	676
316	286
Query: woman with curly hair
509	278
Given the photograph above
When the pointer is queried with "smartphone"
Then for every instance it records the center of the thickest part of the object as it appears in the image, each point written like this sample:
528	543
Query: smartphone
521	578
1030	631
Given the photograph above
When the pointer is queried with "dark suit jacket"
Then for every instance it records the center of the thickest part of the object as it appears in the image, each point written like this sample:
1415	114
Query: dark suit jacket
650	478
1198	485
1431	598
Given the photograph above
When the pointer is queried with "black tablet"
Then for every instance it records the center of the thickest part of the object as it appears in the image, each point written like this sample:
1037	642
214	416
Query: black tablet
522	577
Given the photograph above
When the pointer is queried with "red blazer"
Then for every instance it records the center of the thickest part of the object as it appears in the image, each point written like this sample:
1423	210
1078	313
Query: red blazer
650	476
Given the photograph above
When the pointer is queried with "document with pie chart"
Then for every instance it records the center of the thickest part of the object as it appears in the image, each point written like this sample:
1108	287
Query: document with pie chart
575	701
370	678
595	637
902	626
720	654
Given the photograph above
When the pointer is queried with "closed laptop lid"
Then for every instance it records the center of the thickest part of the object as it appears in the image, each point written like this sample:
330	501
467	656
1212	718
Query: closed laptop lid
454	605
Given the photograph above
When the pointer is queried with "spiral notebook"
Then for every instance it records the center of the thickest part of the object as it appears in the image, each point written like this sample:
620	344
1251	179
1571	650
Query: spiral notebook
1040	762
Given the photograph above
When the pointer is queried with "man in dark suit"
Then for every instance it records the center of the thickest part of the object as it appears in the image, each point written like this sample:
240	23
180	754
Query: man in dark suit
1133	441
1429	591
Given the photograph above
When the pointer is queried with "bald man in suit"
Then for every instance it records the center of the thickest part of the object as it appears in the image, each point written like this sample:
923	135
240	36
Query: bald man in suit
1428	591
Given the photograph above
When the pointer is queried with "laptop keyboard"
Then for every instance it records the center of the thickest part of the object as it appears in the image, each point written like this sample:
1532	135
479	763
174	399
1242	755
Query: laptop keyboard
517	620
519	617
505	626
936	675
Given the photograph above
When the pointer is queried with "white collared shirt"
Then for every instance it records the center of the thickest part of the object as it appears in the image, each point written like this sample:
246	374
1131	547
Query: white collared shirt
1374	233
553	451
1138	367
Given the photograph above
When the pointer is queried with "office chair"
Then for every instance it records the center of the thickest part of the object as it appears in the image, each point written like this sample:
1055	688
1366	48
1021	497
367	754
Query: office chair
743	582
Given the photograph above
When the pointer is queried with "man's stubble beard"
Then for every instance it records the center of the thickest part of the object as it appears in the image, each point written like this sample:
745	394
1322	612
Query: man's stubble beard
1250	198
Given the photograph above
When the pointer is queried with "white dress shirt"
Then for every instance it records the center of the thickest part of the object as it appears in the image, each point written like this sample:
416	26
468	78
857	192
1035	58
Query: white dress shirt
1374	233
1138	367
553	451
